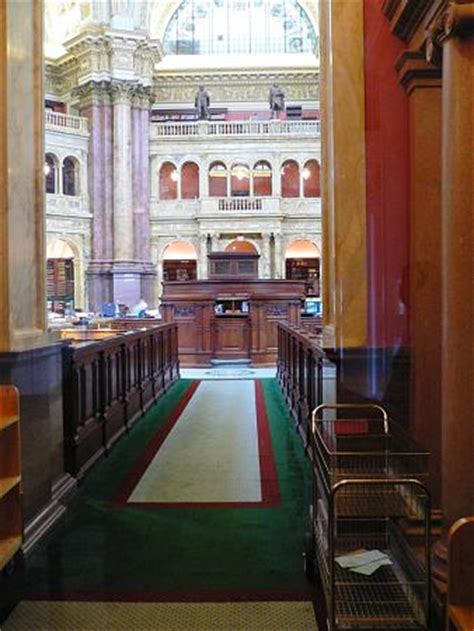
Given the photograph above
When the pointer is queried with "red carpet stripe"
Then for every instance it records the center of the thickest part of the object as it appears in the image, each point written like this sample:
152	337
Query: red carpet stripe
268	473
149	453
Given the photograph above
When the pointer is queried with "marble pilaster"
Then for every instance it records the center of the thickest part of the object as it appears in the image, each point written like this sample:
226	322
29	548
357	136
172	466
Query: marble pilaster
279	262
265	258
202	262
343	182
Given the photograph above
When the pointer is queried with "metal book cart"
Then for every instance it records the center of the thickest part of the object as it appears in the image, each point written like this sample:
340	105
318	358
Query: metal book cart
369	478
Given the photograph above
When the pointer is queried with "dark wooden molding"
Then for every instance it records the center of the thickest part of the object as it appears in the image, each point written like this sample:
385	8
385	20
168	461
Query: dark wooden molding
405	16
414	71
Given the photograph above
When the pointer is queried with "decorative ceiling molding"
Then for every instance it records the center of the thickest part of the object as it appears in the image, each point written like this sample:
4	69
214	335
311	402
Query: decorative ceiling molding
236	87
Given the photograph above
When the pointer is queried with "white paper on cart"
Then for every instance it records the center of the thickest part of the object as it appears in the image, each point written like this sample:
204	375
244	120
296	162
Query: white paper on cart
359	558
370	568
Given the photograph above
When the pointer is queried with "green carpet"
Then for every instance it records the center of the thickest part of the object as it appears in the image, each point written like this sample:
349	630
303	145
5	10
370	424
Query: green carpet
99	549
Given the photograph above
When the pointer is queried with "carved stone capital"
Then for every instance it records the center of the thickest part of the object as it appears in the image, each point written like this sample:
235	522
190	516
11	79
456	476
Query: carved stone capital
142	97
122	92
92	93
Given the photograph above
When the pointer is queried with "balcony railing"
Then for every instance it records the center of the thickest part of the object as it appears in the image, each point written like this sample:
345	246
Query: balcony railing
66	122
236	128
233	206
240	204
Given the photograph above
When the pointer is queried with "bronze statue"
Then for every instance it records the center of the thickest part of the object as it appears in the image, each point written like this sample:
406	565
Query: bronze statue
276	98
201	102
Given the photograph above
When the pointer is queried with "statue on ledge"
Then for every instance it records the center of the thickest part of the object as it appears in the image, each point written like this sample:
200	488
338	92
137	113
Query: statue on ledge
276	98
201	103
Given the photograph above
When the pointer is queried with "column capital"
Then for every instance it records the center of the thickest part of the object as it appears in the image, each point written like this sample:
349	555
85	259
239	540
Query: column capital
122	92
142	97
92	93
456	21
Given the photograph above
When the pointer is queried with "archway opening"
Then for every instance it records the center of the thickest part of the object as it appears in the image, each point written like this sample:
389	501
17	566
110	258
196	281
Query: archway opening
60	277
302	262
241	246
180	261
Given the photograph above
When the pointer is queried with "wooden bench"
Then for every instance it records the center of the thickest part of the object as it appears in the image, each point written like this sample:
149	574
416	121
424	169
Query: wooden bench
460	604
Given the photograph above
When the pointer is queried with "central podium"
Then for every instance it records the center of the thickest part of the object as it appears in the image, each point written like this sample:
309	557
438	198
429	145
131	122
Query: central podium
234	314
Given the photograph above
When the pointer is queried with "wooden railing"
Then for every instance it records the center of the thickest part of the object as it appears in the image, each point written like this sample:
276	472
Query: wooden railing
300	373
109	384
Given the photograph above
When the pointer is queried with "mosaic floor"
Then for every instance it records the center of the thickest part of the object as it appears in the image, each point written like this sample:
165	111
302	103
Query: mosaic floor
100	616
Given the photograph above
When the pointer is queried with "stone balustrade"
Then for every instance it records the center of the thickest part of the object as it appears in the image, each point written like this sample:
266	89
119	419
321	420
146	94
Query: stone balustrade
236	128
66	122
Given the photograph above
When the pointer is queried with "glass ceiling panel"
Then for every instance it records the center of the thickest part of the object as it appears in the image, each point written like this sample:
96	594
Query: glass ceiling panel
226	27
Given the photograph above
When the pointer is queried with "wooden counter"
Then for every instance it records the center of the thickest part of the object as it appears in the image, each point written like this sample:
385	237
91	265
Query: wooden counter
230	319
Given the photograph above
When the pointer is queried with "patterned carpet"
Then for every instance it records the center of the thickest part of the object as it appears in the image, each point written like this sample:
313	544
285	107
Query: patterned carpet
112	564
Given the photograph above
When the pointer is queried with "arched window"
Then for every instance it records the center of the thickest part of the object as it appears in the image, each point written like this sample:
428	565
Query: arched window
262	179
311	179
224	27
168	181
217	180
69	177
50	173
240	180
290	179
190	181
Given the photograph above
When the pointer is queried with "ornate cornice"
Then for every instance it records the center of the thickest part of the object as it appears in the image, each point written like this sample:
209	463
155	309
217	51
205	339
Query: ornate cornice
238	87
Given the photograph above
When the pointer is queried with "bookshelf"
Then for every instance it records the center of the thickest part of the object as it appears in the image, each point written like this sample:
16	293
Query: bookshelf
10	475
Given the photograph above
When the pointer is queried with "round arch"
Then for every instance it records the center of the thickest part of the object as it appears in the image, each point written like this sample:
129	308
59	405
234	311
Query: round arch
241	245
65	260
179	260
302	262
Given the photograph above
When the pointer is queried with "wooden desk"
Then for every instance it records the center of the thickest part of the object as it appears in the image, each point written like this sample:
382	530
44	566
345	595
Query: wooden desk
230	319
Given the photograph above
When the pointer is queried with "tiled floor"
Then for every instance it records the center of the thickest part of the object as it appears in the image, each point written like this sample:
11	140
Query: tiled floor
231	372
103	616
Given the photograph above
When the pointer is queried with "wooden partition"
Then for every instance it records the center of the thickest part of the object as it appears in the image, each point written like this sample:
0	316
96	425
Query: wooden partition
109	384
230	319
300	373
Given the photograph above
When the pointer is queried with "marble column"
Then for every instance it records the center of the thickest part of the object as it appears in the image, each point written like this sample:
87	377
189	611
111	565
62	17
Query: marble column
30	357
122	160
141	193
95	105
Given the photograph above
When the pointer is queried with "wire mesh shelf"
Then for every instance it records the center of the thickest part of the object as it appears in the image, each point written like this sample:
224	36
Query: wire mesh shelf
365	488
